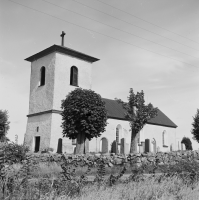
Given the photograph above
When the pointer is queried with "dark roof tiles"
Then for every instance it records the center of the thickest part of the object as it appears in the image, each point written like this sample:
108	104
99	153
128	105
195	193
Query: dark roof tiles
116	111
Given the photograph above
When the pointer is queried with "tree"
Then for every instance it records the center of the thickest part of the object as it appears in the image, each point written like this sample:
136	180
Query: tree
187	142
138	114
4	125
84	116
195	124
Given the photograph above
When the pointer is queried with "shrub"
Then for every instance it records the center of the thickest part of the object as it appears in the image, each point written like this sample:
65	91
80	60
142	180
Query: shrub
14	152
187	142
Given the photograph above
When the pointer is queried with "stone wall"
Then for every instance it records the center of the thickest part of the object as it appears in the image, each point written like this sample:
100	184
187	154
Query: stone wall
159	158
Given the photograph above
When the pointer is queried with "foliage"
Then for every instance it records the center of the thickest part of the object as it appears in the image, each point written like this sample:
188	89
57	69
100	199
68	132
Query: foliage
14	153
137	113
4	124
179	171
187	142
195	124
84	115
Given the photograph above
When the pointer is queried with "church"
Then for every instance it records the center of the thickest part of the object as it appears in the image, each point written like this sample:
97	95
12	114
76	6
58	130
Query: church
56	71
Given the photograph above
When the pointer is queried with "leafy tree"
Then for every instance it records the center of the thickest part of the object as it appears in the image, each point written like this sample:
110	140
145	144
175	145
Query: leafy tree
84	116
4	125
187	142
138	114
195	124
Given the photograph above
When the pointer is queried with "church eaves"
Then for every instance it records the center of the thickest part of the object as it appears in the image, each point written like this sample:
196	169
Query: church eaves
64	50
116	111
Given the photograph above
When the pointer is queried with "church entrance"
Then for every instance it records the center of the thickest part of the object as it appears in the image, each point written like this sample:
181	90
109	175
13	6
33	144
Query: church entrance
37	143
104	145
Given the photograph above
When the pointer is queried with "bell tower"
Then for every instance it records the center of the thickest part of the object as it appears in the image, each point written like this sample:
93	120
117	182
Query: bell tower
55	72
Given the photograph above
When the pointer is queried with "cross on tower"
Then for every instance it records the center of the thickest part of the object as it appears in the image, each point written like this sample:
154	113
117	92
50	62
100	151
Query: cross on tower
62	36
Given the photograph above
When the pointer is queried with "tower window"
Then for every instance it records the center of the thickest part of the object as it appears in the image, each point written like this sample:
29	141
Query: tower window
42	76
74	76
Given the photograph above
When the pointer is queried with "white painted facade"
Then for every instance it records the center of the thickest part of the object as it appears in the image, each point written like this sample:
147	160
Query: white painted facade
44	120
150	132
49	96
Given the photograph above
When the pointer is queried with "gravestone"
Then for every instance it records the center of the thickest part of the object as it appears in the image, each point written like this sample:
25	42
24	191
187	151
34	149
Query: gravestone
59	146
86	145
123	146
127	148
143	146
114	147
67	146
147	145
104	144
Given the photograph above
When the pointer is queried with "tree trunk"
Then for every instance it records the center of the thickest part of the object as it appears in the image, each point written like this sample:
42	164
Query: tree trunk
133	148
82	145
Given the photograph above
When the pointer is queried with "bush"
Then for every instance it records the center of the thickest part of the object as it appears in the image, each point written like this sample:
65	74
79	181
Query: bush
14	152
187	142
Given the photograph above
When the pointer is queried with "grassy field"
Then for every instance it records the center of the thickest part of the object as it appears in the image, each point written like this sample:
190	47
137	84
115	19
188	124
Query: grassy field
46	183
25	176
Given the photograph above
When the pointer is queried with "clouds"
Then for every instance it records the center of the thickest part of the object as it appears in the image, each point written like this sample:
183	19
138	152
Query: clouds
170	84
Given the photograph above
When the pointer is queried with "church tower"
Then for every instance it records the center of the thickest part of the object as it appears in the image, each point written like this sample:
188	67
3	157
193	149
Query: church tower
55	72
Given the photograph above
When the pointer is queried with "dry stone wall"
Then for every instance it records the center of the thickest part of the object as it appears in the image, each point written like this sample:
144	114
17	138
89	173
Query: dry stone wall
112	159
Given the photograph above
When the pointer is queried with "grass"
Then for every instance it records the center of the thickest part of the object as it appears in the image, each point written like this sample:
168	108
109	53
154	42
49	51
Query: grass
148	189
44	181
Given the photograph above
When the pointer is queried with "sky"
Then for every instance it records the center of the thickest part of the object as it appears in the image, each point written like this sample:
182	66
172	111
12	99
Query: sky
149	45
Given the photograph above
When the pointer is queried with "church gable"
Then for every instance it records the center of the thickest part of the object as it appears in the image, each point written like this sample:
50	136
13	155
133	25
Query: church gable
116	111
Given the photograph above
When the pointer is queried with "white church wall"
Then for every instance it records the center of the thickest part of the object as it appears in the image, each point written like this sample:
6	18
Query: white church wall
110	134
39	125
56	134
153	131
41	97
62	77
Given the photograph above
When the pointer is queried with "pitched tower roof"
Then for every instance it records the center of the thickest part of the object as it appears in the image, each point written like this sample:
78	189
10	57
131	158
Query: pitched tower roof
64	50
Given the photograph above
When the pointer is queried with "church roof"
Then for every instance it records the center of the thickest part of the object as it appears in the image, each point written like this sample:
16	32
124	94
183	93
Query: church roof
116	111
64	50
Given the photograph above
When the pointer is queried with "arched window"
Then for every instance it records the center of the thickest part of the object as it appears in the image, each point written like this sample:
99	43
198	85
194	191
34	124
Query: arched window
117	135
42	76
74	76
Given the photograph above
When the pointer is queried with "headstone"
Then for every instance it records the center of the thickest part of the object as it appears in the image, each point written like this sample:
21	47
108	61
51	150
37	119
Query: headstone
67	146
143	146
59	146
154	146
123	146
86	145
104	144
114	147
127	150
147	145
171	147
